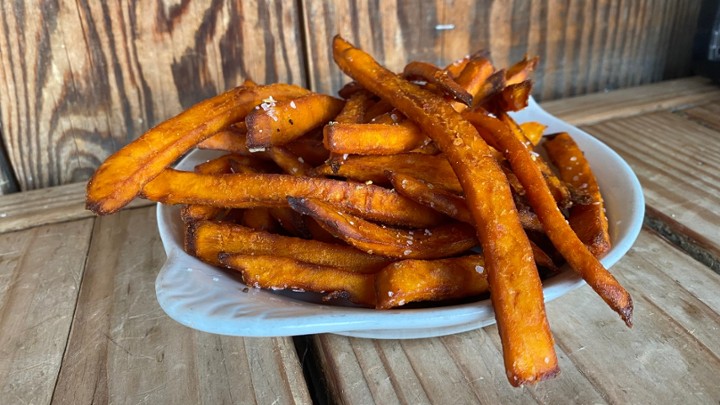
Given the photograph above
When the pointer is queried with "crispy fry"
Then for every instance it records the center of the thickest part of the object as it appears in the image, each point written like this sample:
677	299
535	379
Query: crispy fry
409	281
278	123
254	190
292	222
205	239
434	169
513	97
229	140
288	161
473	78
517	293
259	219
522	70
121	177
533	131
587	220
282	273
556	227
429	243
194	212
373	139
438	77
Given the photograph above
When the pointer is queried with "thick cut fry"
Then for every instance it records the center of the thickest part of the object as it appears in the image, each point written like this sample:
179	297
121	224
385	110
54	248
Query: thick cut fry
533	131
206	239
121	177
278	123
440	78
522	70
194	212
516	290
430	243
556	227
513	97
229	140
309	148
407	281
288	161
473	77
434	169
255	190
373	139
587	220
282	273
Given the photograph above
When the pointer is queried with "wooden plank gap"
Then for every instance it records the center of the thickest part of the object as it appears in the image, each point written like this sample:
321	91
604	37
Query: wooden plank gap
312	370
302	15
8	180
693	246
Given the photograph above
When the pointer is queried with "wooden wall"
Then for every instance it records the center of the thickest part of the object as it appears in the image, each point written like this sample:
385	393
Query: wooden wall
79	79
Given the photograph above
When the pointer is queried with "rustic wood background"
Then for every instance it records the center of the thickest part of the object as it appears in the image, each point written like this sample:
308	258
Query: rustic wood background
79	79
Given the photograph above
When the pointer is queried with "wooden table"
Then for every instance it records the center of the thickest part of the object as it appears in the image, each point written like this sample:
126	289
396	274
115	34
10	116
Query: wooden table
79	321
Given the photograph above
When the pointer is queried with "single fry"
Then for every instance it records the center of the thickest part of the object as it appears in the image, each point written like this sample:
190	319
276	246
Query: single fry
517	296
438	77
522	70
271	190
587	220
206	239
433	169
120	177
282	273
533	131
407	281
288	161
429	243
556	227
279	122
373	139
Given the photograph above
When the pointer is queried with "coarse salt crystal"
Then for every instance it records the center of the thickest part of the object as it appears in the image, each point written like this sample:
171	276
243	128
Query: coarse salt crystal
407	252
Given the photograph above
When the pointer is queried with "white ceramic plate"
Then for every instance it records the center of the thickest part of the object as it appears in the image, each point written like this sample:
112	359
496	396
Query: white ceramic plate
214	300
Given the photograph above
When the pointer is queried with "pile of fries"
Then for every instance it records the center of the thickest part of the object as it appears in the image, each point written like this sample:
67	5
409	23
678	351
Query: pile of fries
381	197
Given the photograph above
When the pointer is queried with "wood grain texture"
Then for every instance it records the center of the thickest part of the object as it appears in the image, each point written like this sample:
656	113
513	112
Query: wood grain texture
671	95
47	206
676	162
40	273
584	46
123	348
82	78
707	114
674	342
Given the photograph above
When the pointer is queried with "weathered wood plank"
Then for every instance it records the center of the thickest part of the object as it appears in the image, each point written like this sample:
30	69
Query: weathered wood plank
670	355
123	348
46	206
707	114
584	46
666	95
676	162
82	78
40	273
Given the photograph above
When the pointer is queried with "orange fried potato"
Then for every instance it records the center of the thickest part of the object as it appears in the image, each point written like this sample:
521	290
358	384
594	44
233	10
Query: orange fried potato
430	243
438	77
288	161
533	131
206	239
517	297
282	273
372	138
556	227
259	219
407	281
522	70
279	122
268	190
473	78
587	220
434	169
120	177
